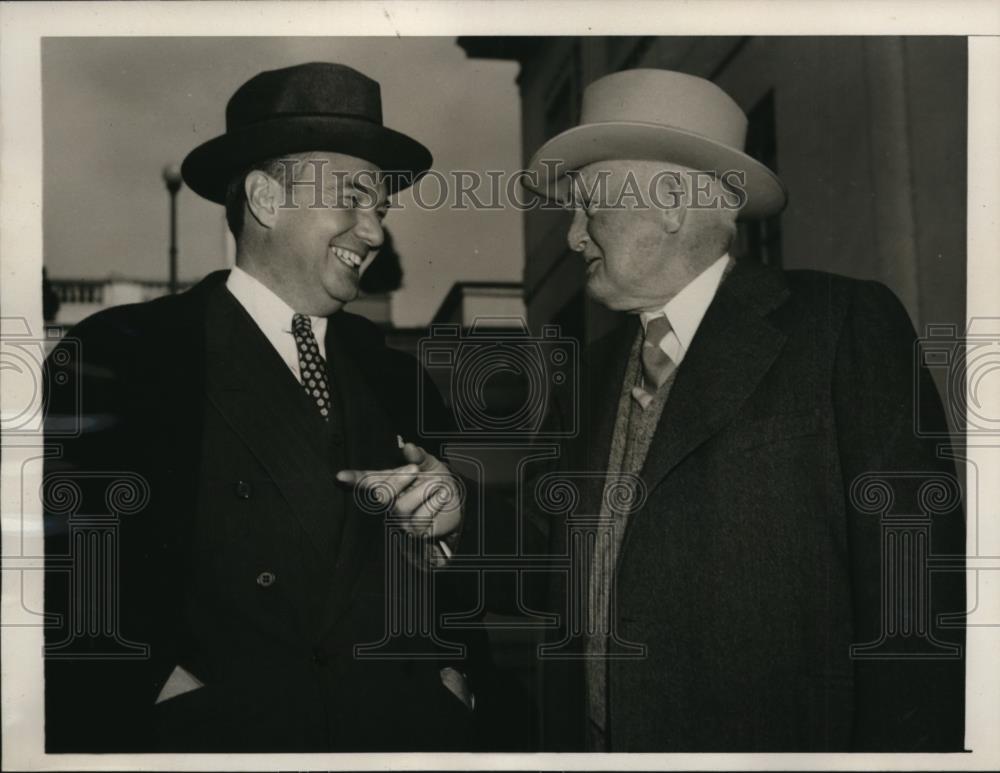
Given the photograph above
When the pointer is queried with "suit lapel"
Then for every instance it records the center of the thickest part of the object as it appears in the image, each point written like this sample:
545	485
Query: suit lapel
370	443
732	350
252	388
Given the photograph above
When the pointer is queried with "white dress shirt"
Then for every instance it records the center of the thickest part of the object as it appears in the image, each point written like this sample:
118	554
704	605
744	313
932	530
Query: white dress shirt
273	316
685	310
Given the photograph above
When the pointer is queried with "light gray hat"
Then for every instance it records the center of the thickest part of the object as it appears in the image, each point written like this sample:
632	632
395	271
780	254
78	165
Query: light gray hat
658	115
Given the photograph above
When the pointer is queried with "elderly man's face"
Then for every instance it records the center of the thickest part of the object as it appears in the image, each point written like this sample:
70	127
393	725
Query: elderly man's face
320	246
631	253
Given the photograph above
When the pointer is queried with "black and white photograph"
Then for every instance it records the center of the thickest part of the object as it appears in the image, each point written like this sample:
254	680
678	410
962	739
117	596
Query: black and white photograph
398	386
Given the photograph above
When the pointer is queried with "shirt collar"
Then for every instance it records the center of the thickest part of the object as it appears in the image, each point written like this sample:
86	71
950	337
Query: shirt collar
685	310
267	309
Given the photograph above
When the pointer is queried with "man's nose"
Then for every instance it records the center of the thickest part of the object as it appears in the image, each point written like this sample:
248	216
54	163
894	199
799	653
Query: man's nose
577	236
369	228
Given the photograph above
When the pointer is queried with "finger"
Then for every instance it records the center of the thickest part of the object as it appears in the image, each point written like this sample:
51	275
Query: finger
394	481
408	502
430	494
414	453
429	521
428	462
400	482
420	521
423	529
370	478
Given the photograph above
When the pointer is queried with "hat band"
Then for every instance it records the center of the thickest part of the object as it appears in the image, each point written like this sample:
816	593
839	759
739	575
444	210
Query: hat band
282	116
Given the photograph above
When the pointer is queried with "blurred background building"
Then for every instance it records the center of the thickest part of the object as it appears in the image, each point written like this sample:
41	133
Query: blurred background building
868	133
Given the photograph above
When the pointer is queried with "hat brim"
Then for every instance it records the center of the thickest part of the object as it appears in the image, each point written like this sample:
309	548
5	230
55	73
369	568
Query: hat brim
208	168
633	141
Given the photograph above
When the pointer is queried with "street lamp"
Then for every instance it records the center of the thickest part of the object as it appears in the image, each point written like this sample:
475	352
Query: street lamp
172	177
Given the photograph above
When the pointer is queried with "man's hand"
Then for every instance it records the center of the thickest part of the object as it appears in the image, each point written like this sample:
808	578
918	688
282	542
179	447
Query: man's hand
424	491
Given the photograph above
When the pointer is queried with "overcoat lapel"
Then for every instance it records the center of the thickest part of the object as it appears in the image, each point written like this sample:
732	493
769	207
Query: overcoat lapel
734	347
252	388
370	443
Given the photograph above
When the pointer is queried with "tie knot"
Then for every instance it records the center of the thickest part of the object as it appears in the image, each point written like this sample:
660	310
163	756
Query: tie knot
656	329
301	323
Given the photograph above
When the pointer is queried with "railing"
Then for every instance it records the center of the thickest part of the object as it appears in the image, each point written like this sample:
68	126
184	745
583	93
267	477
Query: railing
80	290
94	290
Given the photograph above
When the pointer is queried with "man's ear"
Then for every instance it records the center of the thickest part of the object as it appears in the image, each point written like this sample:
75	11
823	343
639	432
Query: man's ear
670	197
263	198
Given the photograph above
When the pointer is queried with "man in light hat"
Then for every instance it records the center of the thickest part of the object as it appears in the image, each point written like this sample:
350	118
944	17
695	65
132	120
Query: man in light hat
758	417
249	408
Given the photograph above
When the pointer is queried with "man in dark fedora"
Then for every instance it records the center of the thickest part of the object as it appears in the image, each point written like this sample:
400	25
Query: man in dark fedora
754	595
244	413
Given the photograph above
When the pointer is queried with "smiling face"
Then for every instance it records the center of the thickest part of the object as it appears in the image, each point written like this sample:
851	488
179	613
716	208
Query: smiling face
641	243
311	248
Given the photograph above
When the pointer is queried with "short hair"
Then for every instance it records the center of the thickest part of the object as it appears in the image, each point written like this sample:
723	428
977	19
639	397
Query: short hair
236	196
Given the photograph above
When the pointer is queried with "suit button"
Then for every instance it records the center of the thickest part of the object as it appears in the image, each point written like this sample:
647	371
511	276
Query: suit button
243	489
319	656
266	579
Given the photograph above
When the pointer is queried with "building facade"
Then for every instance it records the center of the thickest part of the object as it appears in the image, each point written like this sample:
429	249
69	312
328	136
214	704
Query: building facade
868	134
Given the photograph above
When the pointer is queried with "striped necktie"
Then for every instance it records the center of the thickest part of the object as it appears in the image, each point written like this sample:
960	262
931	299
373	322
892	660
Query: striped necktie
656	364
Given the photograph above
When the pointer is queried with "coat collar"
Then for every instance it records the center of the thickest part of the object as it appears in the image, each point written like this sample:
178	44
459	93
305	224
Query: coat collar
733	348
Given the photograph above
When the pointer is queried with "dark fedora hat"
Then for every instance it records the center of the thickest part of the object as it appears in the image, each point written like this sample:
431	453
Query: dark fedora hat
319	106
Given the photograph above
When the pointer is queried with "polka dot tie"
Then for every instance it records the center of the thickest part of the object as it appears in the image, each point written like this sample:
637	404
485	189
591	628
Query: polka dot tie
312	367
